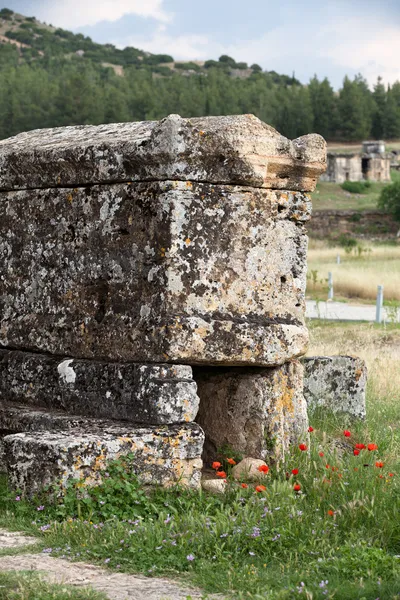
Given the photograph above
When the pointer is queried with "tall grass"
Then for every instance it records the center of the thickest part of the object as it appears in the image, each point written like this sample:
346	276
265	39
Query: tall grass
359	272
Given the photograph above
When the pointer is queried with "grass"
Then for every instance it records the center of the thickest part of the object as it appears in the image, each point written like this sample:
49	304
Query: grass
277	544
330	196
29	586
359	273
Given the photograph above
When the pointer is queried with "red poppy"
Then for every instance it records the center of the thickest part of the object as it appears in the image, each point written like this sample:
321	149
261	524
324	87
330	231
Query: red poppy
346	433
244	485
379	464
321	453
221	474
361	446
356	468
303	447
327	467
331	513
295	471
216	465
381	477
297	487
263	469
260	488
310	429
356	452
372	447
231	461
391	474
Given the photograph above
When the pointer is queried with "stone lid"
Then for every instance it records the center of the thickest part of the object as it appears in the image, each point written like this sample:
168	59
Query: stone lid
239	150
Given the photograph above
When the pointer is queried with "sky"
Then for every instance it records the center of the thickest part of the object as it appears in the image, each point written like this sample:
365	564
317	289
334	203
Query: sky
331	38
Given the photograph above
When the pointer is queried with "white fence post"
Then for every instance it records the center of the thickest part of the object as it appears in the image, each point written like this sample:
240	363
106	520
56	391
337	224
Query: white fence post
330	286
338	259
379	304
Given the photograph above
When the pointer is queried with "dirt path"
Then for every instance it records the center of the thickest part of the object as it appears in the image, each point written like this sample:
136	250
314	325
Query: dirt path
116	586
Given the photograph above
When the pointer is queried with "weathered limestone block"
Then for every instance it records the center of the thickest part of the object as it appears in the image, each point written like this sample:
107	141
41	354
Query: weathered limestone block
258	412
163	455
233	149
143	393
337	383
155	272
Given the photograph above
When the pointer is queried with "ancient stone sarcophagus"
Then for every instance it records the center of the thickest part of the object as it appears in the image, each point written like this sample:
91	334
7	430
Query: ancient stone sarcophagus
144	244
178	241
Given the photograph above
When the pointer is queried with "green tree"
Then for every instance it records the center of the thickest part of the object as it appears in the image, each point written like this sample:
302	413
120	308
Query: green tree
355	110
391	117
389	199
324	107
378	118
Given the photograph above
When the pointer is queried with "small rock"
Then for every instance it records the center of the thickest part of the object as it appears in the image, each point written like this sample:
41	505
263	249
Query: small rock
248	469
214	486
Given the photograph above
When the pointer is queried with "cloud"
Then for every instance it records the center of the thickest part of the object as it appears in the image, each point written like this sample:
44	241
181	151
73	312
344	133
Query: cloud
78	13
181	47
372	49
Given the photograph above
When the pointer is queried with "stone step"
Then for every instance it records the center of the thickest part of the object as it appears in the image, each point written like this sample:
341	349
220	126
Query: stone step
144	393
78	448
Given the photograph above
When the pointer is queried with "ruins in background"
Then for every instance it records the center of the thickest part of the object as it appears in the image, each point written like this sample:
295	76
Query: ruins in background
372	164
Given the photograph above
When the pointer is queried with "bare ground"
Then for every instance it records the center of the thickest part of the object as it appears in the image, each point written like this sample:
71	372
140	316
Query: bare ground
116	586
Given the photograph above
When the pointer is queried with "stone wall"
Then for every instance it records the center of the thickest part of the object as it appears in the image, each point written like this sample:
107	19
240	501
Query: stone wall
131	254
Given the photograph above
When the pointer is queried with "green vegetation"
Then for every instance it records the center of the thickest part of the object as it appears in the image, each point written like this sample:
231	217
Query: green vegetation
356	187
28	586
338	537
59	78
389	199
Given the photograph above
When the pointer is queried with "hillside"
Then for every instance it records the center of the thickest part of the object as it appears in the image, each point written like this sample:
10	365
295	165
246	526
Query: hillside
52	77
33	39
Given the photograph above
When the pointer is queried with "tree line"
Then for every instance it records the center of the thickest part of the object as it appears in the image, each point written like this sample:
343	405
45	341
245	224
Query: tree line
57	90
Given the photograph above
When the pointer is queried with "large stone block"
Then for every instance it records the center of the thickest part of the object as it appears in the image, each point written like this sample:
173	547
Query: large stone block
233	149
257	412
337	383
143	393
155	272
162	455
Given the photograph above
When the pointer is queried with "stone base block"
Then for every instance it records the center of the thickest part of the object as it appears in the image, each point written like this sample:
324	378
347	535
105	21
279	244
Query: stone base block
162	455
143	393
337	383
258	412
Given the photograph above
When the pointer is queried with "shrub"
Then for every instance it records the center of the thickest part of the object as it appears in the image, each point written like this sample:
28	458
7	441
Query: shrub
6	13
356	187
228	60
389	200
187	66
346	241
256	67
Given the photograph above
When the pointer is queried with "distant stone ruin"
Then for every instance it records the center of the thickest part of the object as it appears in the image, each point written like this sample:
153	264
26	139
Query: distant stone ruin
372	164
152	296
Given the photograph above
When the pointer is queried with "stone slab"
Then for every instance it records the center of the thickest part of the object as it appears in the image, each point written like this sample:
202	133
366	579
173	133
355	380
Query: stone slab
337	383
155	272
143	393
229	149
256	412
164	455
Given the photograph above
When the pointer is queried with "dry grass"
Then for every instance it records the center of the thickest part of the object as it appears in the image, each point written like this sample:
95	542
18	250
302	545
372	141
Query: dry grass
359	273
379	346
